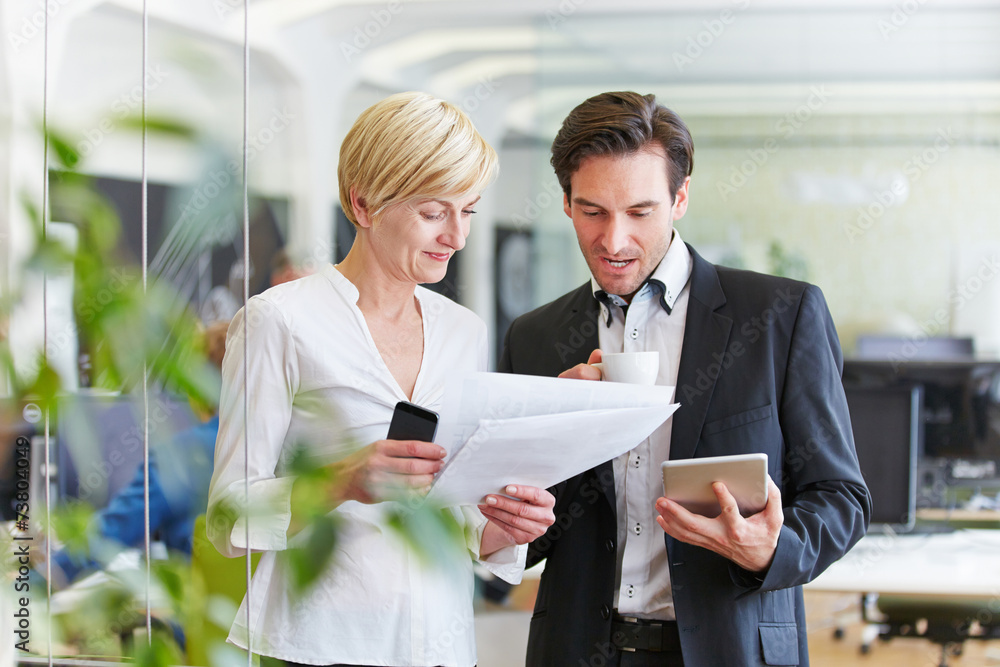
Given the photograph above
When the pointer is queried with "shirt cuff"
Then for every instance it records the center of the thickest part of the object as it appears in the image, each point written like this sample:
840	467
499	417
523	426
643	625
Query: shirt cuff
507	563
270	516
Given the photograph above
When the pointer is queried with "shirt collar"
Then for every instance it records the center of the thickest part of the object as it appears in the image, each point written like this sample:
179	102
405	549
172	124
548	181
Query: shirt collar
341	283
667	280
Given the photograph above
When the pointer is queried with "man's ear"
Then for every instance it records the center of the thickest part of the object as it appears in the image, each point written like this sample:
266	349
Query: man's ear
680	206
566	205
360	208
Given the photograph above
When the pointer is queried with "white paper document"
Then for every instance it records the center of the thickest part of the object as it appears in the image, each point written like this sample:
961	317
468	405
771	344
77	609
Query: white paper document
502	429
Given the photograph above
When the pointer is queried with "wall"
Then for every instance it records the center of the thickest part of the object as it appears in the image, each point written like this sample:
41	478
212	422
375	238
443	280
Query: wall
894	215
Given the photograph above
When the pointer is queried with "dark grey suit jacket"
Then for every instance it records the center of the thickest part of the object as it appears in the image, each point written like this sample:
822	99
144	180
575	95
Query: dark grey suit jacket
760	371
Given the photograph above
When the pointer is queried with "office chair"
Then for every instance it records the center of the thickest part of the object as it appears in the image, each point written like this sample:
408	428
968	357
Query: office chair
948	622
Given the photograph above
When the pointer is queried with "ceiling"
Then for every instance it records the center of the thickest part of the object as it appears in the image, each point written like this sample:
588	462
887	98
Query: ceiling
711	57
721	58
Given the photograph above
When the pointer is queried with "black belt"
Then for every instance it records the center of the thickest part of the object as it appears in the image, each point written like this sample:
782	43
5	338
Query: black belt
640	634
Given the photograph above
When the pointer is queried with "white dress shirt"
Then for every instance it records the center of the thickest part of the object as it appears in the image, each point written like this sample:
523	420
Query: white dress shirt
643	577
316	379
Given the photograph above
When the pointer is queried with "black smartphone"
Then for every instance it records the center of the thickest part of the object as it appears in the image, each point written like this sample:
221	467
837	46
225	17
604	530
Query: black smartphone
412	422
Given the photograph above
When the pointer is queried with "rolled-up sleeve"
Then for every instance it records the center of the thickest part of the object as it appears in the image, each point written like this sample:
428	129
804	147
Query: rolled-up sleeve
249	445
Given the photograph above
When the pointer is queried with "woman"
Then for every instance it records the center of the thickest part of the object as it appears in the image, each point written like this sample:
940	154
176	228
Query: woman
330	356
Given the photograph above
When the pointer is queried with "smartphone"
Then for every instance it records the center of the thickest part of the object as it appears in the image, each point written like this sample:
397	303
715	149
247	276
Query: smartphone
412	422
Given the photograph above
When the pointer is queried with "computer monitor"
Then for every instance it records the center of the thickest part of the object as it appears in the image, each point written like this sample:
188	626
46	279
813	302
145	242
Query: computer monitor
886	421
99	441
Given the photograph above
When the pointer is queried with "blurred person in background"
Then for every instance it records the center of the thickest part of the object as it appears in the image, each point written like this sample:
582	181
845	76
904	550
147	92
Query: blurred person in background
223	301
282	268
179	473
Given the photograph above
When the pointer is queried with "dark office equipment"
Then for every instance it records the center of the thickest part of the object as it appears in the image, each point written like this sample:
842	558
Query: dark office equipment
957	447
99	441
960	418
514	278
914	348
16	432
887	431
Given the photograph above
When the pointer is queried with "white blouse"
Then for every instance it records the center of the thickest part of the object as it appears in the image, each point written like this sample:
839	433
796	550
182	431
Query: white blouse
317	379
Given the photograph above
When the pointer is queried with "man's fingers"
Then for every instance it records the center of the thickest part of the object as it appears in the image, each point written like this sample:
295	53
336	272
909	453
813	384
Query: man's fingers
726	500
773	492
585	371
582	372
678	517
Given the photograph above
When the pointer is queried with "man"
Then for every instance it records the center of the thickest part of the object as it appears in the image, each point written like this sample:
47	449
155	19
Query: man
756	363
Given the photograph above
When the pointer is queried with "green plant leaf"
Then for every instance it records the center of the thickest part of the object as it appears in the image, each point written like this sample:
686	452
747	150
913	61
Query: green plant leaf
307	562
433	533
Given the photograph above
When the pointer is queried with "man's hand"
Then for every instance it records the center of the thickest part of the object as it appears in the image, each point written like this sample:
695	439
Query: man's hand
517	520
749	542
585	371
386	470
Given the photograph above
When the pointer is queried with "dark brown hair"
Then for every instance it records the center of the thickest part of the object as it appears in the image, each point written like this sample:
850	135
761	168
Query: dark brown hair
622	123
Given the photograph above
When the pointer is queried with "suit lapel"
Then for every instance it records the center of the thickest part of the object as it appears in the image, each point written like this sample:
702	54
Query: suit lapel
578	329
706	334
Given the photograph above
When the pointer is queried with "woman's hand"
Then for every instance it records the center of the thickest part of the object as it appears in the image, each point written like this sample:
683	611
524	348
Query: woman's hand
386	470
519	519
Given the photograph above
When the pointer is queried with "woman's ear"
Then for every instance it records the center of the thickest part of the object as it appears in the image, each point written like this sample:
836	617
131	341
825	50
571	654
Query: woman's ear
360	208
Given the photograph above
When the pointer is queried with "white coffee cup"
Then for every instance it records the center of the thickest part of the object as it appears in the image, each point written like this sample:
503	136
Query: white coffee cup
630	367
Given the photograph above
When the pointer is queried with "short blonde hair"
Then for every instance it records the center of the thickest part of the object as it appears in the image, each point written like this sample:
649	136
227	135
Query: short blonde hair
410	146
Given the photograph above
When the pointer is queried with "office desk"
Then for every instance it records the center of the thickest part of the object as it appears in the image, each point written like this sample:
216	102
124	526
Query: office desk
959	518
944	587
964	563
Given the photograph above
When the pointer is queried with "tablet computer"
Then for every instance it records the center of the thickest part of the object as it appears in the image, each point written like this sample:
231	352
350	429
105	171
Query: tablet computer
688	482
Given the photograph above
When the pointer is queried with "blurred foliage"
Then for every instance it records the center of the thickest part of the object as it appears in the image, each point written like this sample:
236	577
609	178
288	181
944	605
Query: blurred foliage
433	533
787	264
131	333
